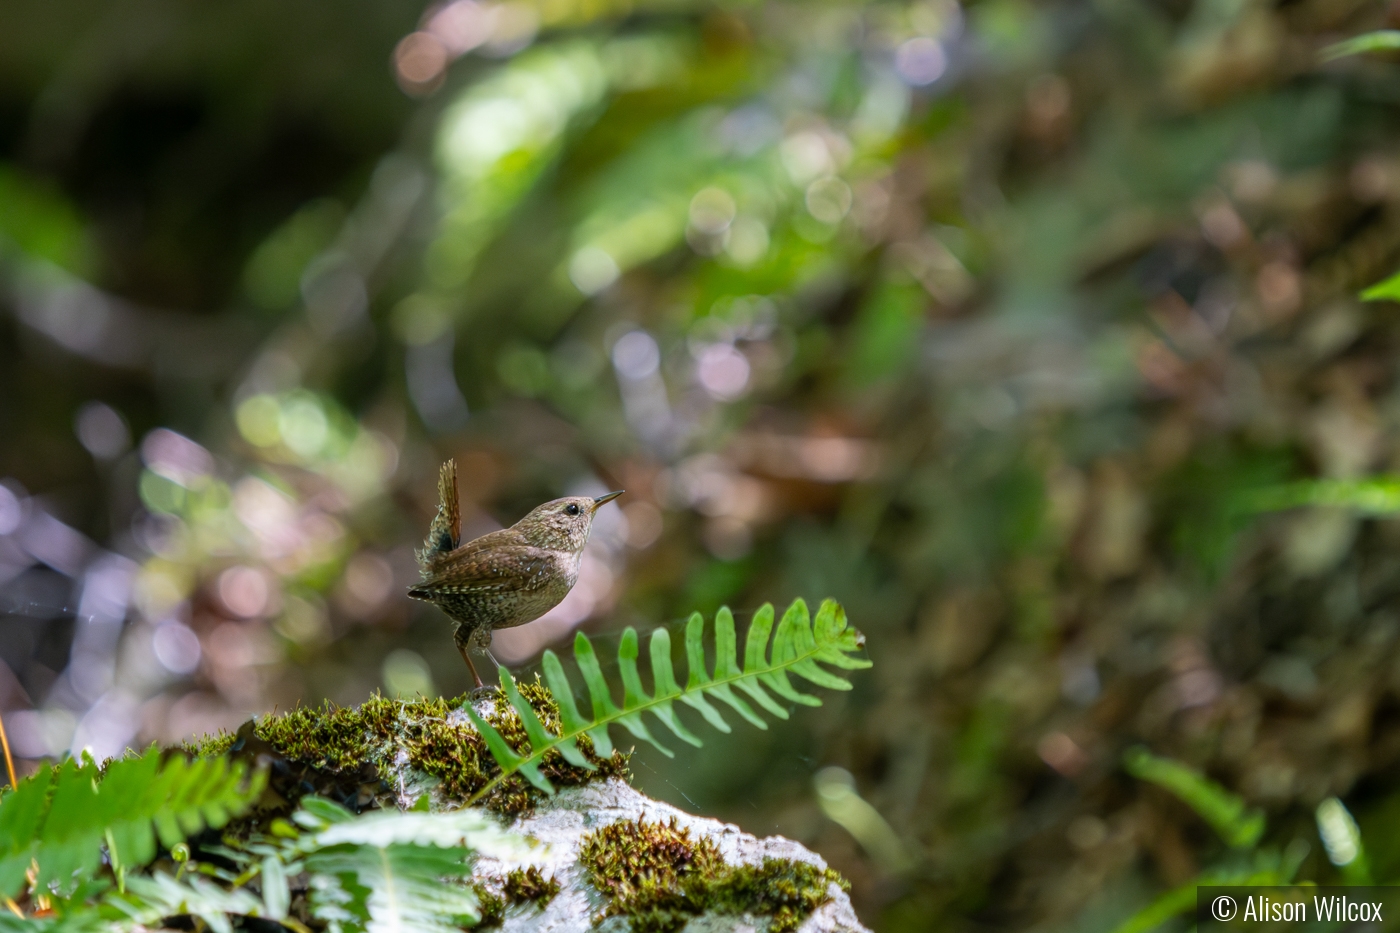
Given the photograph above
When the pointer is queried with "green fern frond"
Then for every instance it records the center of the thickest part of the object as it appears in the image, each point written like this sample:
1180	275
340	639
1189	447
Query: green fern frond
1382	40
1227	813
384	872
1373	495
148	900
397	889
331	825
80	920
60	817
799	646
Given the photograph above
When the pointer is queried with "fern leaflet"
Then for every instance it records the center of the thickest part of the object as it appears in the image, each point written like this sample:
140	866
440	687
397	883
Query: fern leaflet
799	646
149	900
1382	40
1226	813
60	817
383	872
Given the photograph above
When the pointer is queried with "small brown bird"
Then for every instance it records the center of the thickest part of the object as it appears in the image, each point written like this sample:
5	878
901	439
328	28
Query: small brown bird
505	578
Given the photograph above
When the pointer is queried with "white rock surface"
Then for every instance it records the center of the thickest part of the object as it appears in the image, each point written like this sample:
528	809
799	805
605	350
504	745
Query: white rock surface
558	824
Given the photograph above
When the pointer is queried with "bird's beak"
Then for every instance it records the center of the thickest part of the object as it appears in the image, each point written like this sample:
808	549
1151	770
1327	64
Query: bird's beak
600	500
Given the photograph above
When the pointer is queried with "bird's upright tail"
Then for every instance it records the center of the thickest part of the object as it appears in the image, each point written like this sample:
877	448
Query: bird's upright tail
446	531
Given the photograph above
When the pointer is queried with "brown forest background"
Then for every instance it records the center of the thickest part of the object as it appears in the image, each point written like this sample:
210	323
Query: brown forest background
983	320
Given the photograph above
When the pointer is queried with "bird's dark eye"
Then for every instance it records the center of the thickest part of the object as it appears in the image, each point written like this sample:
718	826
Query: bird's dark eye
571	508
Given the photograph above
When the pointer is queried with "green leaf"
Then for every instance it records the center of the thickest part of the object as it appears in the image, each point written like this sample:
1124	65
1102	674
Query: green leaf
794	648
1375	495
471	829
277	895
1227	814
61	817
21	814
394	889
505	755
149	899
401	872
1382	40
1180	900
1342	839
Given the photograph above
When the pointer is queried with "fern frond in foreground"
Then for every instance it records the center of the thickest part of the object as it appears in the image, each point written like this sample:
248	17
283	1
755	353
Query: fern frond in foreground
60	817
799	646
384	871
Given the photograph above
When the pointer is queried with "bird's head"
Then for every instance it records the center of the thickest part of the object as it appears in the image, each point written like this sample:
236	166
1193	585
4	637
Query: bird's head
563	524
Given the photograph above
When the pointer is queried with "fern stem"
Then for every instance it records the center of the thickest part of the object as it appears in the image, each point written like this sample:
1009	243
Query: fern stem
608	718
9	762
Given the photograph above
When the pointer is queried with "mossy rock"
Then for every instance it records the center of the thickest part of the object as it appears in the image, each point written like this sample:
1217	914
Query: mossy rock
659	877
626	862
392	752
609	859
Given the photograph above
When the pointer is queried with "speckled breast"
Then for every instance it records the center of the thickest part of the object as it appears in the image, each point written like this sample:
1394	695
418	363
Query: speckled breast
548	579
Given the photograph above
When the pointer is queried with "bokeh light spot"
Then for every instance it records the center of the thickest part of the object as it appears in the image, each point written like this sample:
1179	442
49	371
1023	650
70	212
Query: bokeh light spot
712	210
920	61
303	425
11	511
723	371
828	200
303	621
369	579
462	25
636	355
748	241
176	648
257	420
175	456
243	591
420	59
102	430
524	369
593	269
805	156
406	674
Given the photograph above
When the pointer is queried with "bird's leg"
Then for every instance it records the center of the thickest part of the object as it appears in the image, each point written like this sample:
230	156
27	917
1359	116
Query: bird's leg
466	656
481	641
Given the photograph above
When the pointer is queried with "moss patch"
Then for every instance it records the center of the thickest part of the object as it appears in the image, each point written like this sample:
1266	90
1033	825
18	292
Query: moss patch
208	746
519	886
658	877
489	904
529	886
432	736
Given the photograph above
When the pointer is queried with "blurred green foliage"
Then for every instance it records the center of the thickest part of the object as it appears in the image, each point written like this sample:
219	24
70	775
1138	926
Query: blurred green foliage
1028	331
1226	813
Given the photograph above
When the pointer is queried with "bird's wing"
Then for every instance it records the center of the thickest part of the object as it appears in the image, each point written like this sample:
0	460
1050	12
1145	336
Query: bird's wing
491	563
446	530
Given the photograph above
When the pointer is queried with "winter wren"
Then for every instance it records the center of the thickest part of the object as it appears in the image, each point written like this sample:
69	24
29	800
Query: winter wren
505	578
